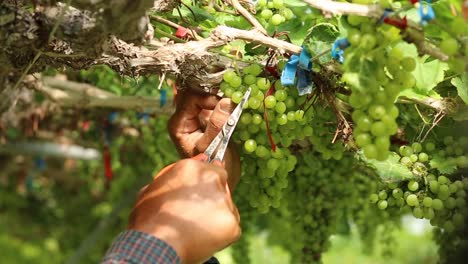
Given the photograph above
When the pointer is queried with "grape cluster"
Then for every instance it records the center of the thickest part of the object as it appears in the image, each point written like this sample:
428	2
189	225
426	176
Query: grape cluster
274	12
316	201
438	197
455	49
383	72
271	167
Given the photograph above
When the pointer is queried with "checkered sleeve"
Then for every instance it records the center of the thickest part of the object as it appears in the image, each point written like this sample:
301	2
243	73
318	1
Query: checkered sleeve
133	247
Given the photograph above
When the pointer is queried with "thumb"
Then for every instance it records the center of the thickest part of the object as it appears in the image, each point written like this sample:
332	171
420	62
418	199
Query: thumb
215	123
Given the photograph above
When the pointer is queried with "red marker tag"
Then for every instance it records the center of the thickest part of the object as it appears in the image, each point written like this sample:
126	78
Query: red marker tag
107	164
397	22
182	32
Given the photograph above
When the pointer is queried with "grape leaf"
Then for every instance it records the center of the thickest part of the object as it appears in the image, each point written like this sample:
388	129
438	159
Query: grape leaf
391	170
443	165
320	38
428	74
462	86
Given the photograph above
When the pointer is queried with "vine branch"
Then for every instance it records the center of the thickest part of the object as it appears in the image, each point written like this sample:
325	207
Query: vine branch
248	16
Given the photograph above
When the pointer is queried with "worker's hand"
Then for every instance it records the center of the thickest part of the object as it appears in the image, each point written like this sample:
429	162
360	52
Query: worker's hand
197	121
189	207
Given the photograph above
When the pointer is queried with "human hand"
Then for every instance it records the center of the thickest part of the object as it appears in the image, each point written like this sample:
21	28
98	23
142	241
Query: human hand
189	207
196	122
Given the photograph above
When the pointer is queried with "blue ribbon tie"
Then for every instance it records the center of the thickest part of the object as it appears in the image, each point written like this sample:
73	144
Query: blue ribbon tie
426	12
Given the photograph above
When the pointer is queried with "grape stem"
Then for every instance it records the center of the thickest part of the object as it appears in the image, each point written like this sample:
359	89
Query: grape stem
248	16
374	11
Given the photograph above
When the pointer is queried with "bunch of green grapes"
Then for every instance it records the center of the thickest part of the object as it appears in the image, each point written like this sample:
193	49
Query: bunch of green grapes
438	197
324	186
452	44
384	72
270	166
274	12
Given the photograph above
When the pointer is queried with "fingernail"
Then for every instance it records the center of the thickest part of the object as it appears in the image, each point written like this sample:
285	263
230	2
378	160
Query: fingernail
225	106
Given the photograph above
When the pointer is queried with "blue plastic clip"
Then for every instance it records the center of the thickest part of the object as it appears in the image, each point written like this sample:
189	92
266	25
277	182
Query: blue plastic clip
113	117
163	98
426	12
300	65
386	13
40	164
338	49
289	72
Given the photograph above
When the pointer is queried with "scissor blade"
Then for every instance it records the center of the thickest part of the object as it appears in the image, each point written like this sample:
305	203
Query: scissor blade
228	128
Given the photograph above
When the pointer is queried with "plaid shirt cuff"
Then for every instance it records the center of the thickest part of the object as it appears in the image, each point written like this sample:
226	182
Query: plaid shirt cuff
136	247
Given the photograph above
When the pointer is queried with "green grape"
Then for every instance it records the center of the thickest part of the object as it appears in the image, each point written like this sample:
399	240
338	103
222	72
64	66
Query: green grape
397	193
368	41
273	164
282	119
250	79
448	226
429	213
413	186
377	111
406	151
262	3
412	200
228	76
250	145
363	140
442	179
450	203
383	195
406	161
418	212
461	203
255	69
373	198
281	95
262	152
270	101
254	103
236	81
434	186
382	143
364	123
277	4
413	158
449	46
237	97
280	107
266	14
423	157
437	204
382	205
430	146
256	118
276	19
370	151
408	64
453	188
417	147
263	83
246	118
427	201
378	129
299	115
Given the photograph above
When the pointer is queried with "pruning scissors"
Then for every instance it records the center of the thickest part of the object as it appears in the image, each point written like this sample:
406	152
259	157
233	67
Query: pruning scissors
215	152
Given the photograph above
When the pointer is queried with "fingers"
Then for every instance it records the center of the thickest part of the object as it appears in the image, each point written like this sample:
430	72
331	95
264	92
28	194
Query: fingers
218	118
184	126
185	119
